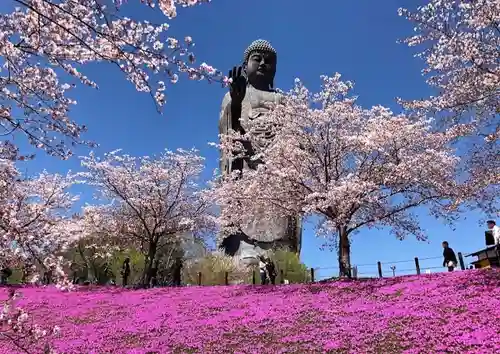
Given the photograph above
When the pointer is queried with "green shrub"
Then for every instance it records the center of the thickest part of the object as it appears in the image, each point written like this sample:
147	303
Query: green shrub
293	270
136	265
213	268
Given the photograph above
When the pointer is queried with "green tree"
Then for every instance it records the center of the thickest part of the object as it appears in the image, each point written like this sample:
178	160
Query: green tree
213	268
92	260
137	261
293	270
89	260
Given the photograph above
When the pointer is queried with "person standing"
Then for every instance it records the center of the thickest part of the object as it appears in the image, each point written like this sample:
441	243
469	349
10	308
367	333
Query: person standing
495	231
271	271
125	271
177	271
154	274
262	270
450	259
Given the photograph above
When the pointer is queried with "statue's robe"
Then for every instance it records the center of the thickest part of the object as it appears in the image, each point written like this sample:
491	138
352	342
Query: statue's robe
261	234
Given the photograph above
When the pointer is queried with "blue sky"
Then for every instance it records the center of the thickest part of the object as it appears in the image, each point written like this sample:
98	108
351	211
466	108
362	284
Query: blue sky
356	38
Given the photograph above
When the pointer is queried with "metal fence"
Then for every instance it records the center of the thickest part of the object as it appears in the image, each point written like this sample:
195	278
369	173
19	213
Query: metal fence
415	266
384	269
380	269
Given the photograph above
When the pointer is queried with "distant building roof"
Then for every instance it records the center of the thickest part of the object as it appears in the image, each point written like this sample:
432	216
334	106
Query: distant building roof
485	250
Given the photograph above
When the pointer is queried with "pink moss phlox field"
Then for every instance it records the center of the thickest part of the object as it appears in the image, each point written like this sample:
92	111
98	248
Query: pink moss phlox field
448	312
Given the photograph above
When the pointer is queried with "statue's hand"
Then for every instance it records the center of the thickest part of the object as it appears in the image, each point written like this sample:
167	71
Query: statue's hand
238	86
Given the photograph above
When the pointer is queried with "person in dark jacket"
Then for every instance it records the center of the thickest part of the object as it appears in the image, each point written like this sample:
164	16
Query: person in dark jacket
154	274
125	271
177	271
271	271
450	259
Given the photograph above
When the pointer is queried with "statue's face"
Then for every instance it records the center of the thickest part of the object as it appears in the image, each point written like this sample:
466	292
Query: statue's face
261	68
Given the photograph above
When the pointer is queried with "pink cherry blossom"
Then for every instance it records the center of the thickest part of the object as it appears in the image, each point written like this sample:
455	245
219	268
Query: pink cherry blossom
351	167
34	221
460	43
41	39
461	52
147	202
34	228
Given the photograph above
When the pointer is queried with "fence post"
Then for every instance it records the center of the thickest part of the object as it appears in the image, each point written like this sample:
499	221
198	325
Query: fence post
461	260
379	266
226	278
253	277
199	278
417	265
312	275
282	277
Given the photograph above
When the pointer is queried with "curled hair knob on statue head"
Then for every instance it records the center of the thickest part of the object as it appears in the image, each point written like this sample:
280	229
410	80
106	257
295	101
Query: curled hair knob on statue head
259	45
259	62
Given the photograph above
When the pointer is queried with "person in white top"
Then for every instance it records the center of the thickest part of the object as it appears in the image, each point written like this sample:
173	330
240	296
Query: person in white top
495	229
263	272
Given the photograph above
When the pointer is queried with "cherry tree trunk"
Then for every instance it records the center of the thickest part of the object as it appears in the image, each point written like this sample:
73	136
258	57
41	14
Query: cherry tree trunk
344	252
91	274
89	264
148	264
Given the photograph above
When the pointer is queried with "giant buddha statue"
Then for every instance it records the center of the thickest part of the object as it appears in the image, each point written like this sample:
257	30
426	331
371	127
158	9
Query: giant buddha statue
250	92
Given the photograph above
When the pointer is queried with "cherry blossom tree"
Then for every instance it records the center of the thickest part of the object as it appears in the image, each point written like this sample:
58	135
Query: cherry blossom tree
35	224
34	229
144	202
460	41
350	167
45	45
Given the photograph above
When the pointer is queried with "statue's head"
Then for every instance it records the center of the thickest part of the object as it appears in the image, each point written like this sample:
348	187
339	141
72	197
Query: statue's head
259	63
